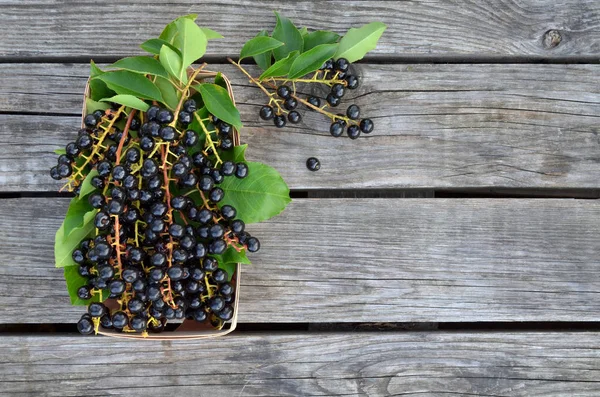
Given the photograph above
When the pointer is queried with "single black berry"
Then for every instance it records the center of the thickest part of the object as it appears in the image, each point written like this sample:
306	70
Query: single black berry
72	150
313	164
184	118
119	173
164	116
237	226
228	212
216	194
284	91
226	313
342	64
313	100
97	309
132	155
84	292
279	121
190	138
54	173
220	276
96	200
366	126
167	133
338	90
204	216
353	132
210	264
90	120
336	129
241	170
64	170
146	143
353	112
84	142
116	287
85	326
138	323
332	100
228	168
290	103
266	112
351	82
152	112
294	117
190	106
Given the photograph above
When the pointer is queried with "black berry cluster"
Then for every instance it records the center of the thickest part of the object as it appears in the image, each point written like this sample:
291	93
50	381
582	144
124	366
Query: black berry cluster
284	101
159	225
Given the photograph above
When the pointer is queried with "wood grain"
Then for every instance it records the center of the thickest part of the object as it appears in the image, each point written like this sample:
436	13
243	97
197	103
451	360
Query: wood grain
353	260
417	29
437	126
306	364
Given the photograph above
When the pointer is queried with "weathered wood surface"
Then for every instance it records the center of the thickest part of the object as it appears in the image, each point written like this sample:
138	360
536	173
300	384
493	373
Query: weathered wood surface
417	29
353	260
306	364
437	126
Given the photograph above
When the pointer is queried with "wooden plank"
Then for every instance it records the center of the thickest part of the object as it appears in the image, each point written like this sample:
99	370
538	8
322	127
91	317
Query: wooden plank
527	28
438	126
355	260
307	364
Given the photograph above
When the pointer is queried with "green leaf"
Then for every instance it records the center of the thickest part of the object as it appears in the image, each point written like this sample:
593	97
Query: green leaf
211	34
259	45
263	60
217	101
230	268
286	32
258	197
74	282
172	63
232	256
170	31
304	31
220	81
168	91
311	60
60	151
91	106
238	154
64	244
153	46
98	88
78	207
319	37
128	100
191	41
281	67
357	42
126	82
86	185
142	64
95	70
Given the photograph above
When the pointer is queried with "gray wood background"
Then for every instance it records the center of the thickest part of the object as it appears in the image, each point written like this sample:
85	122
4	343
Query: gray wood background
434	221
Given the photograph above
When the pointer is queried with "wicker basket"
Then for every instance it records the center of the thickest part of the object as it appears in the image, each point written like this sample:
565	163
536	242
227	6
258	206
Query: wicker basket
188	329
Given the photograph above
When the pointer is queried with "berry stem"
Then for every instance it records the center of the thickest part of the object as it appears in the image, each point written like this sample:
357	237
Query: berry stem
271	95
314	79
124	135
78	170
185	94
209	140
165	169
